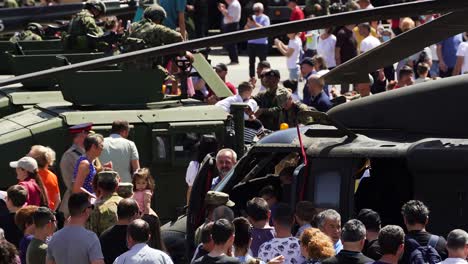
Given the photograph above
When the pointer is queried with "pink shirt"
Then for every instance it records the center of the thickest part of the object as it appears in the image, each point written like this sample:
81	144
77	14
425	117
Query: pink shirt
34	193
139	196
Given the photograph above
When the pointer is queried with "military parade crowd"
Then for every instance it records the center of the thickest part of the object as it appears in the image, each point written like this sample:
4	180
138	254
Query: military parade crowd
104	212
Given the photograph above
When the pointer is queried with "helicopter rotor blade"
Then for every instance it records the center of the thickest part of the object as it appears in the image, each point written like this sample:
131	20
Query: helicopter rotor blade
406	44
359	16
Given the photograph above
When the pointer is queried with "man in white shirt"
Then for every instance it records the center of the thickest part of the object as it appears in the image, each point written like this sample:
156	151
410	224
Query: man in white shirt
284	243
457	246
138	234
369	42
231	18
461	66
121	151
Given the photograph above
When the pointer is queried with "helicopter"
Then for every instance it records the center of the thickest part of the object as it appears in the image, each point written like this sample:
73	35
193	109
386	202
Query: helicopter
401	145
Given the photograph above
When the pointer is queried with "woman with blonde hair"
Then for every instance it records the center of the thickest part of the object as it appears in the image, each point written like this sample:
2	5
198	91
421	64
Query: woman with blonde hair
316	246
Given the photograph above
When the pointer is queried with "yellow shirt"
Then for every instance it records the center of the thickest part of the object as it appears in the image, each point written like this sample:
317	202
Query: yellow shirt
360	37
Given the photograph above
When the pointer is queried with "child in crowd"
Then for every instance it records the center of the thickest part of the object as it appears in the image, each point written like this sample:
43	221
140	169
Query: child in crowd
143	187
292	51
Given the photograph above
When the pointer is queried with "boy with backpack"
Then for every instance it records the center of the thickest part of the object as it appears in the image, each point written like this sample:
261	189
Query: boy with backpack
420	245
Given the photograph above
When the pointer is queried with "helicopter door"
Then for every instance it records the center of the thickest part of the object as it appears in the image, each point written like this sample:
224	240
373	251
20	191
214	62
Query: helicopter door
328	183
202	184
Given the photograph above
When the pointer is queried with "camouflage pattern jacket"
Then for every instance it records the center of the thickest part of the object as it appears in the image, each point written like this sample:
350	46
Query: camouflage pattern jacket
84	23
104	214
146	34
270	109
297	114
26	35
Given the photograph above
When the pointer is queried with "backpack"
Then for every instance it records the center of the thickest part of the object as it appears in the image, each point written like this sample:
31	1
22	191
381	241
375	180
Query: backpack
423	254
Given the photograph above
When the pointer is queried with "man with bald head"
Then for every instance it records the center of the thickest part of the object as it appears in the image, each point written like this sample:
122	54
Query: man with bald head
225	159
319	100
138	234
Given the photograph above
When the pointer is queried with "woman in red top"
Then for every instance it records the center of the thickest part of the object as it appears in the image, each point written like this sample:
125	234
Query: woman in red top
26	173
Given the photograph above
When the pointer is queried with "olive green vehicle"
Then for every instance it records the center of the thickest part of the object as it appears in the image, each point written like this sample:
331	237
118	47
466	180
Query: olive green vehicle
31	56
164	128
411	142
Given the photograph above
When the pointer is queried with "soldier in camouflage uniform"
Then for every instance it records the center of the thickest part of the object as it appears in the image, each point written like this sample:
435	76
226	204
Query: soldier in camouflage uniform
83	24
34	31
293	112
104	214
148	33
269	109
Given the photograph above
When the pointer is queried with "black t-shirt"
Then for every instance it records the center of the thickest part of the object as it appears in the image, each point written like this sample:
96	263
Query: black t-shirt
113	242
217	260
12	232
347	43
372	249
348	257
422	237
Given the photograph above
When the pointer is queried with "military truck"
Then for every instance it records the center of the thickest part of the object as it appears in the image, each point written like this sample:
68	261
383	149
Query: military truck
376	152
164	128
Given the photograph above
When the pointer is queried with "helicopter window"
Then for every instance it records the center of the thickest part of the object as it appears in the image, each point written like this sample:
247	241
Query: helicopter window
327	189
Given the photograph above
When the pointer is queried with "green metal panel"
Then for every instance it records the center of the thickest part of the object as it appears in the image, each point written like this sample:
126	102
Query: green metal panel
31	98
114	87
179	114
23	64
209	75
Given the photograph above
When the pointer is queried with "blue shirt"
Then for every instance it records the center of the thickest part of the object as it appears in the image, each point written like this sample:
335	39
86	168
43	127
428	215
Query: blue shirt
449	49
321	102
263	20
338	246
173	8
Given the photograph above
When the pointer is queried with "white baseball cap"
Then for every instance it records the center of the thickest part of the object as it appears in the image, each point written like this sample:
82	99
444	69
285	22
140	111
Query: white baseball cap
26	163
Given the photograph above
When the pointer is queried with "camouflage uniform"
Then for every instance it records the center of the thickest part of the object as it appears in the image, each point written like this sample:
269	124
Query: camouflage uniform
147	34
81	25
267	100
10	4
26	35
297	114
104	214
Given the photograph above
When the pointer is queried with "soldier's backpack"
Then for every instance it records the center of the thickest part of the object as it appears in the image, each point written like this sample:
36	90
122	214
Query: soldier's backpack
423	254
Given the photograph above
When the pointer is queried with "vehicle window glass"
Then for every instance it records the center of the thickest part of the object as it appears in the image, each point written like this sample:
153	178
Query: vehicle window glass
327	189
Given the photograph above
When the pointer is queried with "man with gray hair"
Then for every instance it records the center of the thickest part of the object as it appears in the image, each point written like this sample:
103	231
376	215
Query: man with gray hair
225	159
329	222
457	246
354	237
318	98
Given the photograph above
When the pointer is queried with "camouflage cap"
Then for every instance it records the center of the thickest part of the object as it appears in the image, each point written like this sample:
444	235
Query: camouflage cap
107	177
97	4
125	190
155	12
218	198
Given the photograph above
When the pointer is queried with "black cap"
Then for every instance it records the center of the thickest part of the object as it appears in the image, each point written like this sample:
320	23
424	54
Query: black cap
272	73
307	60
220	67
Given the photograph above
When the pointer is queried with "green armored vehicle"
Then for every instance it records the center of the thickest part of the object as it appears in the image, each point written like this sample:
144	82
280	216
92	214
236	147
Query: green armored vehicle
163	128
